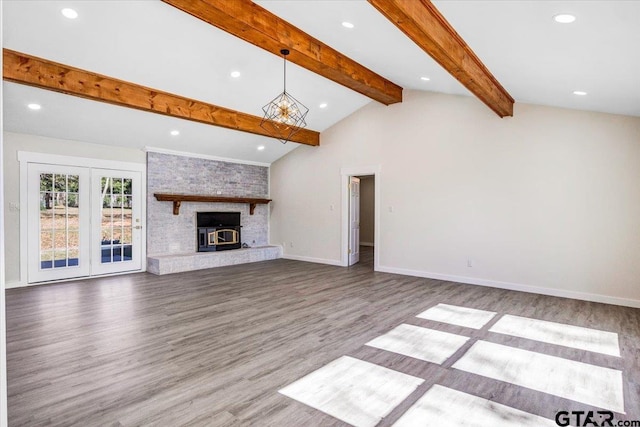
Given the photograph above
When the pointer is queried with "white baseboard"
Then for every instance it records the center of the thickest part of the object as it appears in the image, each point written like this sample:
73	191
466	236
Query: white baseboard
563	293
366	244
13	285
311	259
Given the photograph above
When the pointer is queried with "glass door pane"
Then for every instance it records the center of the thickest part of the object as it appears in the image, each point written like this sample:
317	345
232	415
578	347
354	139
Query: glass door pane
59	220
57	209
116	221
119	224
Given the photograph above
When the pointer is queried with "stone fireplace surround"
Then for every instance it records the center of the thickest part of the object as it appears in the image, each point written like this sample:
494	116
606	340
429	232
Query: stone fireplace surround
171	243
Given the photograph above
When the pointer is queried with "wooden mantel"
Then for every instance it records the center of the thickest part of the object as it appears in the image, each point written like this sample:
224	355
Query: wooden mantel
177	199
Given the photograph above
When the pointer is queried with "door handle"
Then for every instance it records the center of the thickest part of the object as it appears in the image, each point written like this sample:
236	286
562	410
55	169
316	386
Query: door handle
138	227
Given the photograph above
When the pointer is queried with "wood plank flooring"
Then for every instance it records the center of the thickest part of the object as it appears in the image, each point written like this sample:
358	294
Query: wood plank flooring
213	347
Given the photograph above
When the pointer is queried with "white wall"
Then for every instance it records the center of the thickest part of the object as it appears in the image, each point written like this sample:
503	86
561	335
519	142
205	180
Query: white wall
547	201
3	331
367	202
14	142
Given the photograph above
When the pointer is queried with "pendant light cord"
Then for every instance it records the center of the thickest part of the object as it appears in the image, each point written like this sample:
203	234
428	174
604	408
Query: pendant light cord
284	53
284	56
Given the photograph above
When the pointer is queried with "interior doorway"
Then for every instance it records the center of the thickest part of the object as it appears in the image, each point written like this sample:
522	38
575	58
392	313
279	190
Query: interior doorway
366	229
360	216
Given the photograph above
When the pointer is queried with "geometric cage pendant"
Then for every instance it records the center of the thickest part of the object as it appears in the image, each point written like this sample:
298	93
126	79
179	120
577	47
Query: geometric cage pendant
284	115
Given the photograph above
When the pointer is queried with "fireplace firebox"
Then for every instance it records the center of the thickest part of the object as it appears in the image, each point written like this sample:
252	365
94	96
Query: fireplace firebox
218	231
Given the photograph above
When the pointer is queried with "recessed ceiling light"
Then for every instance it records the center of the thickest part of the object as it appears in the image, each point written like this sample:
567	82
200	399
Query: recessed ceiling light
34	106
426	79
347	25
260	147
564	18
175	132
323	105
235	74
579	92
69	13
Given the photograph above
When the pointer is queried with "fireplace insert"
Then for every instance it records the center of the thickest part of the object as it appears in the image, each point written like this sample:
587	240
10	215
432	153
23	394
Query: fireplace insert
218	231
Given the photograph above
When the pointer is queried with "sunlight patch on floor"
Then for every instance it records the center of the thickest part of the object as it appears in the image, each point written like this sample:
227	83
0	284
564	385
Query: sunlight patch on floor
559	334
420	343
361	393
354	391
444	407
590	384
460	316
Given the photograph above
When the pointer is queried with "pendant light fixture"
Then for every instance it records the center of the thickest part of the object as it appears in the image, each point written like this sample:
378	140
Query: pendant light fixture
284	115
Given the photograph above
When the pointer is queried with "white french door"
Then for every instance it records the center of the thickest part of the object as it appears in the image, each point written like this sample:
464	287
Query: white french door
58	237
82	222
117	228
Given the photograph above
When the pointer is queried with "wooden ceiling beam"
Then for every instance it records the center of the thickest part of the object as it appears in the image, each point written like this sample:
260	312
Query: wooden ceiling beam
425	25
44	74
258	26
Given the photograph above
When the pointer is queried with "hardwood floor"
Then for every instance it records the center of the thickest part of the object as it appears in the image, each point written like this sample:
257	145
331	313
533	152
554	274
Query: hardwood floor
213	347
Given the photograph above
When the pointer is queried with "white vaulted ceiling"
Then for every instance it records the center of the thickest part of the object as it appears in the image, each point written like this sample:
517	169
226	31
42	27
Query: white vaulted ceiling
151	43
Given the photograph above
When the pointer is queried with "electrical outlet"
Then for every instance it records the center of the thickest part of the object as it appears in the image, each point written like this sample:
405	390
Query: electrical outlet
469	262
290	244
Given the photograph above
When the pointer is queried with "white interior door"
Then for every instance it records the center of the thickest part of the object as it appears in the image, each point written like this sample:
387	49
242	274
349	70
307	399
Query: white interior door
354	220
117	225
58	218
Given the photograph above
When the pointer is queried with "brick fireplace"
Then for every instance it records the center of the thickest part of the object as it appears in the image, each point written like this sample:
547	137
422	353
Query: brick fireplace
172	238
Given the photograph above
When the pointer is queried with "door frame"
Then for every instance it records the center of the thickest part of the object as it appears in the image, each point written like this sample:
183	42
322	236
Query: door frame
346	173
26	157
